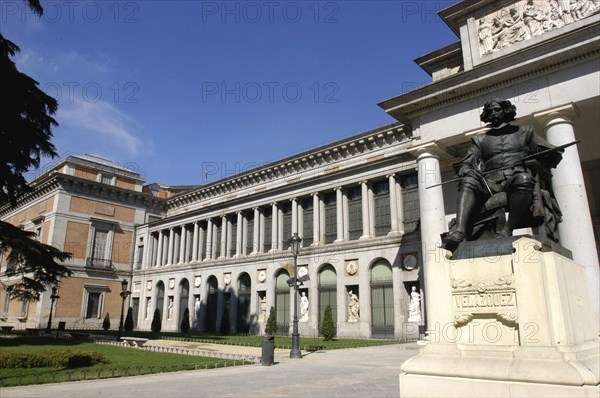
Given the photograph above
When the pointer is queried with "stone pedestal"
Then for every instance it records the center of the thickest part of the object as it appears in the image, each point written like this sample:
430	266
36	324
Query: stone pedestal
513	325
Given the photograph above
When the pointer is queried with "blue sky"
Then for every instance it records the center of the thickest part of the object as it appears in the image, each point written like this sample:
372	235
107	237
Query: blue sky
172	89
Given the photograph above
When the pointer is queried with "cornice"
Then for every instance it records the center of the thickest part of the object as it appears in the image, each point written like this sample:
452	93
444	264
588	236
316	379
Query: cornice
290	168
573	48
55	181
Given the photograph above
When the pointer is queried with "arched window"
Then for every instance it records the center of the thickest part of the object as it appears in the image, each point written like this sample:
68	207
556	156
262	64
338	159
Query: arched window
243	307
327	292
160	298
184	299
282	302
382	300
211	304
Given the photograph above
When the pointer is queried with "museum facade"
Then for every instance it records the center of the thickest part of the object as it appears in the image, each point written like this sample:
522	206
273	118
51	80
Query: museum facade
368	208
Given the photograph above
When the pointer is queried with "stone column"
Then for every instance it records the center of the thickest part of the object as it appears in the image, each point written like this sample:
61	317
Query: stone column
576	230
195	242
160	249
346	213
171	246
215	234
339	215
225	235
261	232
399	207
256	232
209	239
274	227
294	216
149	259
366	221
239	234
182	241
316	219
201	248
393	205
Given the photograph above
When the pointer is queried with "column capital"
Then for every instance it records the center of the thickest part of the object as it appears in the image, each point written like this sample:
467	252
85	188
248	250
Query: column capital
388	175
338	188
314	194
561	114
428	150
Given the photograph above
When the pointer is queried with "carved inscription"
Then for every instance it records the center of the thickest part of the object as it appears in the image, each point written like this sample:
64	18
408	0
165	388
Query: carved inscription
485	301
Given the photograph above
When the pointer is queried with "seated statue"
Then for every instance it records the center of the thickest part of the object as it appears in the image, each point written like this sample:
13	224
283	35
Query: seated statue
505	169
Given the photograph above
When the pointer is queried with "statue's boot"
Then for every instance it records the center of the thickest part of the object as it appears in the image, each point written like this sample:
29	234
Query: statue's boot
518	209
464	209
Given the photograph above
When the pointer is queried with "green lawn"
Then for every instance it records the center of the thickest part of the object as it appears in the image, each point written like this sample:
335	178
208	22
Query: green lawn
123	362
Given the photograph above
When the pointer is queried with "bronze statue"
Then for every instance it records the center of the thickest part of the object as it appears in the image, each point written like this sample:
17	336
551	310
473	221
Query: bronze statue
506	168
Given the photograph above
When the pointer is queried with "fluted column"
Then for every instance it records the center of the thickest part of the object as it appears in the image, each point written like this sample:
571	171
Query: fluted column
256	232
339	214
316	219
239	234
366	220
576	230
159	255
393	205
209	239
399	206
195	242
171	246
182	242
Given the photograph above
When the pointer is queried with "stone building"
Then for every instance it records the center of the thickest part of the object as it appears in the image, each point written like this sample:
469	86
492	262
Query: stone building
364	207
88	206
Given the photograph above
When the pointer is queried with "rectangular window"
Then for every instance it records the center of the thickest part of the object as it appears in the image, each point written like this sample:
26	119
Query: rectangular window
233	244
355	227
24	308
202	249
217	243
100	250
6	304
410	201
140	257
267	244
106	179
94	304
286	210
381	198
330	217
250	234
307	222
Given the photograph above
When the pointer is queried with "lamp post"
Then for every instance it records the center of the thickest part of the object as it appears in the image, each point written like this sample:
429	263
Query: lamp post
124	293
53	297
295	244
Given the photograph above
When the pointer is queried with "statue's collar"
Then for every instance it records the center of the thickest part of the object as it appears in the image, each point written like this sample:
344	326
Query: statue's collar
498	127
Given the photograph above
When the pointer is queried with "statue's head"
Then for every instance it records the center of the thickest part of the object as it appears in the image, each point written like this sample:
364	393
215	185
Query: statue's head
498	111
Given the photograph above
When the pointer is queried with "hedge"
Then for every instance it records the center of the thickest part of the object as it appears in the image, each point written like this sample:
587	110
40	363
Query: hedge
54	359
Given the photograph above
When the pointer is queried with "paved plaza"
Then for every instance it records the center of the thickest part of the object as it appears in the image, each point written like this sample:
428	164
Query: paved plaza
358	372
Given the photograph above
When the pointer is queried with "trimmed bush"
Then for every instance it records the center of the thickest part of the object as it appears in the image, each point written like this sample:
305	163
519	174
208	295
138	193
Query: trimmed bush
271	327
106	322
156	321
327	327
128	327
185	322
50	359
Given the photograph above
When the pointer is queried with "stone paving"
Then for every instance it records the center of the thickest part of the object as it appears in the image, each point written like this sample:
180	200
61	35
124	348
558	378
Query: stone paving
358	372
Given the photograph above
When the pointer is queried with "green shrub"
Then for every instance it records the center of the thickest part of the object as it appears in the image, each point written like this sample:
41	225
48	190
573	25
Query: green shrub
156	321
328	327
106	322
50	359
128	327
271	327
185	322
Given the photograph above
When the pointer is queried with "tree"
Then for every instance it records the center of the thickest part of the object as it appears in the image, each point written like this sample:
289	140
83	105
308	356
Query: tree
128	326
156	325
106	322
25	132
328	327
185	322
271	327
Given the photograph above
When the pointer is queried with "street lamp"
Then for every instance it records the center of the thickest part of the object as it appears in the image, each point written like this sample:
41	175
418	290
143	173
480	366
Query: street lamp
53	297
124	293
295	241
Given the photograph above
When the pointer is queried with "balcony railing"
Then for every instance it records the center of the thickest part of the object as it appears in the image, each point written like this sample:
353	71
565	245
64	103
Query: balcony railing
100	263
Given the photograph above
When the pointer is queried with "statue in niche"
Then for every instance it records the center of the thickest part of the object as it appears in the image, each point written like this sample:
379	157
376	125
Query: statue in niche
197	307
263	309
303	308
507	167
148	307
353	307
170	308
414	307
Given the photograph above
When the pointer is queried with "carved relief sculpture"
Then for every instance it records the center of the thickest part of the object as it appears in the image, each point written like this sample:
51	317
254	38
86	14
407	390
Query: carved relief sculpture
529	18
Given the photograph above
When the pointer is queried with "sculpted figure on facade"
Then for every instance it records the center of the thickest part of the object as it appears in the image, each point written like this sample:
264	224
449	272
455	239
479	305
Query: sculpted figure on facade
506	168
170	308
414	307
303	308
353	307
148	307
529	18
